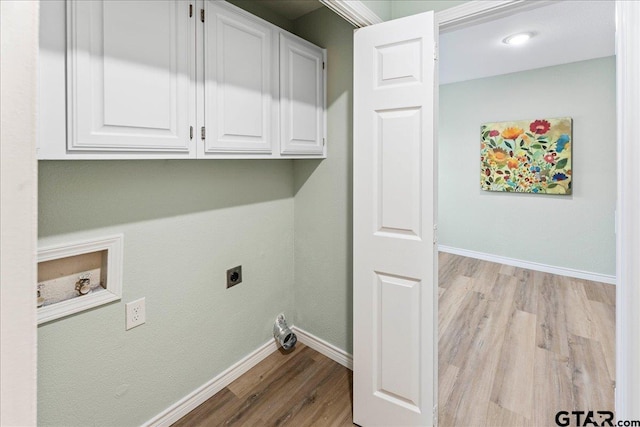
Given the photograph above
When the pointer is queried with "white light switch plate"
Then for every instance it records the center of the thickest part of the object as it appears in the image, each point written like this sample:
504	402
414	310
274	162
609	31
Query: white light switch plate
135	313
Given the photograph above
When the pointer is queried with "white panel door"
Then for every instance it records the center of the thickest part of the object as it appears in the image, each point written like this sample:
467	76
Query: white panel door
240	81
395	289
131	81
301	97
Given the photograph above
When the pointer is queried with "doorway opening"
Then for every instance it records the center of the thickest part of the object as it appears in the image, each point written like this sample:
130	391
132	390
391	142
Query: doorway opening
527	306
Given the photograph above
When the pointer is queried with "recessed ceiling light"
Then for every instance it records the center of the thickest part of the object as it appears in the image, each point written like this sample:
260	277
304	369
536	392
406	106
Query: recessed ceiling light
517	39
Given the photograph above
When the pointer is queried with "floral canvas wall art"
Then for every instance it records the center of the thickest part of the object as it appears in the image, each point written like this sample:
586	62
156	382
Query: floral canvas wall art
528	156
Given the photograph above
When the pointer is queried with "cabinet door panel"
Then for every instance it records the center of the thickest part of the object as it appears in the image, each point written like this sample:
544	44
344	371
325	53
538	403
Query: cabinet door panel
131	85
301	97
238	82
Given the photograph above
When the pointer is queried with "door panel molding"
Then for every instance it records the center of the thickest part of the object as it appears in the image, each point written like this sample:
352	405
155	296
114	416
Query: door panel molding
127	92
240	81
394	208
302	103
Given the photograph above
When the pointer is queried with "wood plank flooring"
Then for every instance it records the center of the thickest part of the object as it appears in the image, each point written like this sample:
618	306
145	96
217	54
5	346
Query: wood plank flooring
302	388
515	347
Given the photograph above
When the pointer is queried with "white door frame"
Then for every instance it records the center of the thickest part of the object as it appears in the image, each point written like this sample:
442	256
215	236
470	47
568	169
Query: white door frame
627	398
628	211
18	212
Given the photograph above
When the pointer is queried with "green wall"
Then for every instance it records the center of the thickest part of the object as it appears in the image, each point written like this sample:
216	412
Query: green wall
184	223
254	7
382	8
323	196
574	231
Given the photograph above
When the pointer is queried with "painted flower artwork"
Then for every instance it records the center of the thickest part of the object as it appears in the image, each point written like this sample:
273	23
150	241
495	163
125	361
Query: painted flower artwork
532	156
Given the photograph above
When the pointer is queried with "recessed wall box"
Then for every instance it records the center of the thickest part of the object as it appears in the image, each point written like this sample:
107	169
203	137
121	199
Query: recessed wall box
73	277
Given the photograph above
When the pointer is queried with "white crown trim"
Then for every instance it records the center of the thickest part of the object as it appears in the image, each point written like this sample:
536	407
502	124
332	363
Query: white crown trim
479	10
353	11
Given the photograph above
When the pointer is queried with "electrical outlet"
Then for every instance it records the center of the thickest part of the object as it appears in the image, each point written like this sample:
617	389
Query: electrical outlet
234	276
136	313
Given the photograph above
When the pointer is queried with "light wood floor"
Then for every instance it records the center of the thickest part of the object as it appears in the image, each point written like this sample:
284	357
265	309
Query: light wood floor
516	346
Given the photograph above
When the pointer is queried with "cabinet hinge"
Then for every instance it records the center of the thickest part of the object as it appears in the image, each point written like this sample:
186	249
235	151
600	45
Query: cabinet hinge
202	133
202	15
323	65
190	10
435	51
190	132
323	142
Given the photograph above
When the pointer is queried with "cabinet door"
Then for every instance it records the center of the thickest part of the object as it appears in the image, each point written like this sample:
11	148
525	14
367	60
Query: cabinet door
131	82
238	81
301	97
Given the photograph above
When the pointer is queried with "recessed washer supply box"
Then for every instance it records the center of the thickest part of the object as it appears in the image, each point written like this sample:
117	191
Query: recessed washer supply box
77	276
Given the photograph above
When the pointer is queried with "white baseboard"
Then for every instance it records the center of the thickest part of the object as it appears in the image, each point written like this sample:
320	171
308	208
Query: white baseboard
323	347
206	391
199	396
561	271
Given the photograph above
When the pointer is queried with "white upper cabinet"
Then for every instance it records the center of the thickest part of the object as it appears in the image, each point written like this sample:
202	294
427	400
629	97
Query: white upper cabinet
175	79
240	81
130	76
302	104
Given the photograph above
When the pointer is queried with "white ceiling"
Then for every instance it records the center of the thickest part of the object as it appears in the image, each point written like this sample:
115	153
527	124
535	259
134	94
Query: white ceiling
565	31
291	9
